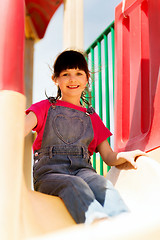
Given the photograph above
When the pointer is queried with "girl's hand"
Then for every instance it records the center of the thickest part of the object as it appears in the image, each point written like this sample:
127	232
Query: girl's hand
128	159
122	160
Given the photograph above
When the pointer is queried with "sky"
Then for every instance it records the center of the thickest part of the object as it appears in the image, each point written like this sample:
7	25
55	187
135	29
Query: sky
98	14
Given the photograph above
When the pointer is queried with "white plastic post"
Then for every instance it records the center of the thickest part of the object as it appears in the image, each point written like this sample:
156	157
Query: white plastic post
12	106
73	24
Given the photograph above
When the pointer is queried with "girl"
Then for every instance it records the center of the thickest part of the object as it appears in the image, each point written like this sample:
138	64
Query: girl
67	136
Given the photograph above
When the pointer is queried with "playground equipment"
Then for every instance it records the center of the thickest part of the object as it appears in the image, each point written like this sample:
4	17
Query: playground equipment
137	76
141	190
25	214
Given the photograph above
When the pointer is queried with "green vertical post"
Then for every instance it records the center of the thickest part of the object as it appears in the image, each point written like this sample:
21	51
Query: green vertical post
113	57
92	78
100	94
107	86
100	80
107	82
87	92
93	95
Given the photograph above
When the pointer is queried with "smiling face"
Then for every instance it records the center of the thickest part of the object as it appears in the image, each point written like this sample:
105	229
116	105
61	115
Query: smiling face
72	83
71	74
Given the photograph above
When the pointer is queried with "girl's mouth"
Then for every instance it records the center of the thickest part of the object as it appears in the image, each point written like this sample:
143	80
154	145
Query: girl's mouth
73	86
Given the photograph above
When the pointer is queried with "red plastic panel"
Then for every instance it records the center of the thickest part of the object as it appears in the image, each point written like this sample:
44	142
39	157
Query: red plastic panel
11	45
40	12
137	77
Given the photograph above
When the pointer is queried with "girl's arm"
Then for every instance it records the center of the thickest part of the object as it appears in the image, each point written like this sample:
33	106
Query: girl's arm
30	123
121	159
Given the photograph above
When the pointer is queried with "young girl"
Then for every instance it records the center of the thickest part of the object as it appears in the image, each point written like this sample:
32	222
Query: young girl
67	136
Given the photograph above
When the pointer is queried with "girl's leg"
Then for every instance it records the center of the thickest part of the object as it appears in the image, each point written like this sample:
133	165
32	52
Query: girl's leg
114	204
76	194
104	192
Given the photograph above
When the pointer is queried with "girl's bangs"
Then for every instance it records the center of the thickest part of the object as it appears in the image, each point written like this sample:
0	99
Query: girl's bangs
70	60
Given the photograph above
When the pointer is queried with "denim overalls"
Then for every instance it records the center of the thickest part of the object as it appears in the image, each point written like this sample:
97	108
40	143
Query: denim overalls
62	167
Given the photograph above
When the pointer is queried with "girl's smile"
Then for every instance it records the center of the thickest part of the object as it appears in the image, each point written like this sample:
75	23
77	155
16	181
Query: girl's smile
73	87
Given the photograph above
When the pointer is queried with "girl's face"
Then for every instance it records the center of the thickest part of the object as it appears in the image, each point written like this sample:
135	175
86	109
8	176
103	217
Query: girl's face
72	82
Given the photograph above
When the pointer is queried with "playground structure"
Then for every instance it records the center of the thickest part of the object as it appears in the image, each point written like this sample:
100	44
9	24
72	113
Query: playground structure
25	214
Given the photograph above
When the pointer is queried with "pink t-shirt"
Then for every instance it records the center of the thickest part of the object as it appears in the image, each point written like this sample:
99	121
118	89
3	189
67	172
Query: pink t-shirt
41	108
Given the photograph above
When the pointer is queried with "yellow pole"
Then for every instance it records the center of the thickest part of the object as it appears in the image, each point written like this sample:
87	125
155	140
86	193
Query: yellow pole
12	106
28	76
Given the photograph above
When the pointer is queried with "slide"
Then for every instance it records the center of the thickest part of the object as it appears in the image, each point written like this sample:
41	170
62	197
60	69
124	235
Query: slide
141	191
42	214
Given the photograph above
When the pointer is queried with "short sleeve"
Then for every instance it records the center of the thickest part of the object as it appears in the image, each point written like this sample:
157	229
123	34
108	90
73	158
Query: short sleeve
40	109
101	132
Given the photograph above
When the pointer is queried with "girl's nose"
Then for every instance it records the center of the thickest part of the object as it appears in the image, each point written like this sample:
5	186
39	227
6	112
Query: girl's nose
72	78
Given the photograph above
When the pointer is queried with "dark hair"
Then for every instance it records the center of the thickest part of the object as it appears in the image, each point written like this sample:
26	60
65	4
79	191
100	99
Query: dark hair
70	59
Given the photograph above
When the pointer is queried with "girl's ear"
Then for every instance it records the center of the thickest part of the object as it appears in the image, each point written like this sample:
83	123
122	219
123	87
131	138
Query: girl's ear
54	79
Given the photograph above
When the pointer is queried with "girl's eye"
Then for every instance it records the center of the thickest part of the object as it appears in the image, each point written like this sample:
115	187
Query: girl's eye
64	74
79	74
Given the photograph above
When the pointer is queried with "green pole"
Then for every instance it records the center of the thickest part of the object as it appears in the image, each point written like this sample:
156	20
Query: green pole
107	86
93	95
100	94
107	82
113	57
